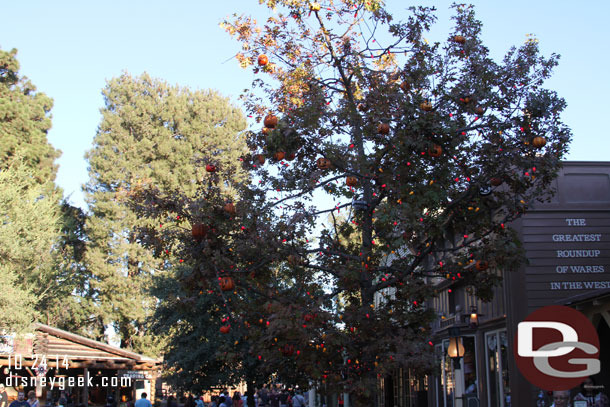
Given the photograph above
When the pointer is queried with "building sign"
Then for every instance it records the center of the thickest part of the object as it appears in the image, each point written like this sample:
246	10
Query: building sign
136	374
568	254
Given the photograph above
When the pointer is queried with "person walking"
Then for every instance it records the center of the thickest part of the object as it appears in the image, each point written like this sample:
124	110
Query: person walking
3	396
143	402
298	400
20	402
32	400
561	398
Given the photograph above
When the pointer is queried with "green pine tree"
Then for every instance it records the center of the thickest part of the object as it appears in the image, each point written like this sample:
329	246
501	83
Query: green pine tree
151	135
29	231
24	121
37	255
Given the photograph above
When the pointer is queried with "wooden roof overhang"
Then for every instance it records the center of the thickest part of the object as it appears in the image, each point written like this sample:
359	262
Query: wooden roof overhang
58	346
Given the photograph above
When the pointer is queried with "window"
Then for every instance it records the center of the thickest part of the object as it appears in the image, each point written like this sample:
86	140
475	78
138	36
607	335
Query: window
445	388
496	351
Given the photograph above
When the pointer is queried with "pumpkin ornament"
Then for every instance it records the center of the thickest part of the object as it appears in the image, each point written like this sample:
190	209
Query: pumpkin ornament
539	142
227	283
270	121
199	231
383	128
229	208
460	39
279	156
263	60
260	158
481	265
426	106
435	151
362	107
323	163
351	181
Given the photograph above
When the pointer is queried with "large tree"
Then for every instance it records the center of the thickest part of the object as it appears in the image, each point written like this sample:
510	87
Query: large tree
440	147
29	231
37	257
24	121
151	133
427	151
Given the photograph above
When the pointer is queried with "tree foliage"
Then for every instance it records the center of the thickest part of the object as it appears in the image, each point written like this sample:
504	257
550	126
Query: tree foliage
445	147
24	121
151	134
29	231
38	260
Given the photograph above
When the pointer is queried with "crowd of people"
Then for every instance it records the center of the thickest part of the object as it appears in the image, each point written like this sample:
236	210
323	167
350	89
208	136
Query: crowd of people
589	395
267	396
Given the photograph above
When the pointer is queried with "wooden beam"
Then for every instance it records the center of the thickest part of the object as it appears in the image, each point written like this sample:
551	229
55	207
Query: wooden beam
90	342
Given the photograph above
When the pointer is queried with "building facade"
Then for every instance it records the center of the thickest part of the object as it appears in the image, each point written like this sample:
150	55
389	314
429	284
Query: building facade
567	245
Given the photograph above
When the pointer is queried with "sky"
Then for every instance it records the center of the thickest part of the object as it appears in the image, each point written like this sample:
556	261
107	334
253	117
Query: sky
69	49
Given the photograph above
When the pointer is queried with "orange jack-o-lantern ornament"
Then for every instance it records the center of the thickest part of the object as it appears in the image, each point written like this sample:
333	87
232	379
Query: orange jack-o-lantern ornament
229	208
263	60
351	181
199	231
260	158
460	39
227	283
323	163
270	121
435	151
279	155
383	128
539	142
481	265
426	106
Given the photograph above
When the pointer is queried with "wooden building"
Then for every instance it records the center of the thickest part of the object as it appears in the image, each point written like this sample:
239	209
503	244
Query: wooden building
567	244
49	360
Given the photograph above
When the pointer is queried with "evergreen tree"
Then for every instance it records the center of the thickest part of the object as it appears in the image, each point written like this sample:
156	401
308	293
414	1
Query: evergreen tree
35	252
28	233
151	134
24	121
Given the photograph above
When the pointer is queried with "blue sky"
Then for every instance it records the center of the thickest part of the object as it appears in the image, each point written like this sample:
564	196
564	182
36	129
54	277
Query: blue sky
70	48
